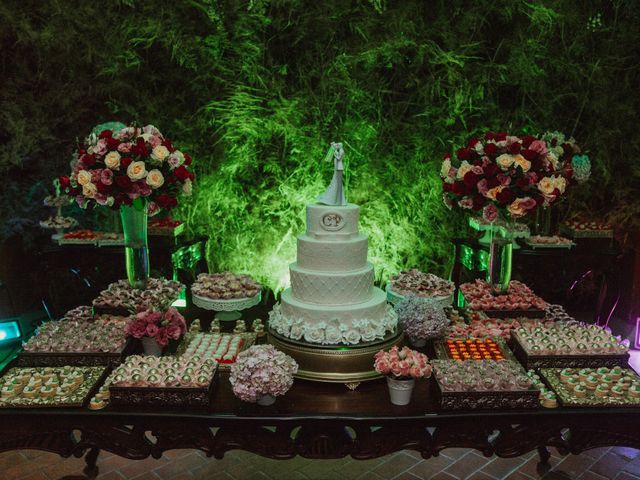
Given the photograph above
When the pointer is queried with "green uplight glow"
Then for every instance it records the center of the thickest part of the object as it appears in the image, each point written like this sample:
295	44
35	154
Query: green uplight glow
181	301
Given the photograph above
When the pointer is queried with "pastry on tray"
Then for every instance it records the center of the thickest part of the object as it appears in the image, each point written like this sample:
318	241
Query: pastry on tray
225	286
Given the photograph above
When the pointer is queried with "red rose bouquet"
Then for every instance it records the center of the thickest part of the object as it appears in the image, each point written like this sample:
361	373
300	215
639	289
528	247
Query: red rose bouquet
116	167
162	327
505	174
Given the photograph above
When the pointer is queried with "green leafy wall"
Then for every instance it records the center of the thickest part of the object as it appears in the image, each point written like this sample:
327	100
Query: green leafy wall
256	90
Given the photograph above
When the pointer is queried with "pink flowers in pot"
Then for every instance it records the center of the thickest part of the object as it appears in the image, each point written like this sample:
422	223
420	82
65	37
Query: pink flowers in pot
262	370
160	326
402	363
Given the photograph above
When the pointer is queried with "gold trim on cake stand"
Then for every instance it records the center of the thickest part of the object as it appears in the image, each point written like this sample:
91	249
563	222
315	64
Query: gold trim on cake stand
336	364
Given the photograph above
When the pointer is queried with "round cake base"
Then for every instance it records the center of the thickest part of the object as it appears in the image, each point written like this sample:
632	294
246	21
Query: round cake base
336	364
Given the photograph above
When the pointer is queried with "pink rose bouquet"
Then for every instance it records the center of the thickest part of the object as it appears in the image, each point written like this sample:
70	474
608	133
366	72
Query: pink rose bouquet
506	174
118	166
402	363
262	370
160	326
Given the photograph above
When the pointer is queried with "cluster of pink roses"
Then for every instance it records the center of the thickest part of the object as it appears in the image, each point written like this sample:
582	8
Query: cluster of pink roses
508	174
116	167
402	363
160	326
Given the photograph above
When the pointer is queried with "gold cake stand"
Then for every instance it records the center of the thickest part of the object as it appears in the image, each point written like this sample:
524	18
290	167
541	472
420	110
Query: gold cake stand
337	364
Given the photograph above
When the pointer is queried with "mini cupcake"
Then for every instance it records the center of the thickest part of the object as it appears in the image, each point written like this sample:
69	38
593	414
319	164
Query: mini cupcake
96	404
602	371
591	382
634	391
617	391
580	391
616	373
623	385
607	378
549	400
47	391
602	390
9	391
565	375
584	373
572	382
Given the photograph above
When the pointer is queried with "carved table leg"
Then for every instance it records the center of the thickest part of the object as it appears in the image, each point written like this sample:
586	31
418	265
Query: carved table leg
91	458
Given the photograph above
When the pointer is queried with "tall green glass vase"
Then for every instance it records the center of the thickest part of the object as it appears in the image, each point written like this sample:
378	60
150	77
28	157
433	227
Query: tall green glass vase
134	228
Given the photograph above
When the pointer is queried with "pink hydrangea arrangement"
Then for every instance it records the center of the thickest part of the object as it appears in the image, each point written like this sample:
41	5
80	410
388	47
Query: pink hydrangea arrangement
402	363
161	326
262	370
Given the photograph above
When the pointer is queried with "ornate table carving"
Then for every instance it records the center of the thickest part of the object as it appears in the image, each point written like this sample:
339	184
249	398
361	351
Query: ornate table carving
317	421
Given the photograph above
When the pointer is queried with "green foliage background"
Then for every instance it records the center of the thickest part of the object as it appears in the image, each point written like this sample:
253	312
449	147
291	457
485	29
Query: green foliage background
256	90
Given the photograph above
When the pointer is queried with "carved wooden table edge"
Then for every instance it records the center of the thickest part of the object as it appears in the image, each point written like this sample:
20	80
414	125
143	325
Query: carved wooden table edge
138	436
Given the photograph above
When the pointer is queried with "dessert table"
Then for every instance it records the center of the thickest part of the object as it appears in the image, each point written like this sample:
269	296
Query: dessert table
316	420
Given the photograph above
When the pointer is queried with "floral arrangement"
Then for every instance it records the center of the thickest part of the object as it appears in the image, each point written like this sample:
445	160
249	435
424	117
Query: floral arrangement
262	370
160	326
508	175
567	152
402	363
115	167
422	319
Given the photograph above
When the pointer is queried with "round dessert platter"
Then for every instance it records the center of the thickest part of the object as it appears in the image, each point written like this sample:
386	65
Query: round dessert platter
227	309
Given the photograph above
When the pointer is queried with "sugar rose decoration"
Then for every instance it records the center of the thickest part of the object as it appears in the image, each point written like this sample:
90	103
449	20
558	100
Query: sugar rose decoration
262	370
502	174
116	167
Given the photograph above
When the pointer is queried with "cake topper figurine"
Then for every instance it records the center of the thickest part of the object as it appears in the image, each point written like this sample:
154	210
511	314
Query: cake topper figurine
334	195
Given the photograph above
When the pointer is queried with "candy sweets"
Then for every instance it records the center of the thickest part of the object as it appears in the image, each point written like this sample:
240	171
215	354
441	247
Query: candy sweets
594	386
187	371
478	296
415	282
473	349
159	294
222	348
480	376
569	338
48	386
225	286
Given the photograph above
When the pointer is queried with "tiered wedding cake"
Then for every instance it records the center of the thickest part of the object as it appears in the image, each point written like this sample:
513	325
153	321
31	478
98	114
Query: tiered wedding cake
332	299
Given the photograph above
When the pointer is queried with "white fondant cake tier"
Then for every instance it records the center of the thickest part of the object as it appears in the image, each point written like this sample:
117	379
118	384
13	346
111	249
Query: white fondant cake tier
332	288
374	308
333	325
332	256
332	222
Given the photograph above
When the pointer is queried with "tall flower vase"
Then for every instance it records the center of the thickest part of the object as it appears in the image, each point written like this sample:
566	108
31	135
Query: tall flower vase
134	228
543	225
499	271
400	390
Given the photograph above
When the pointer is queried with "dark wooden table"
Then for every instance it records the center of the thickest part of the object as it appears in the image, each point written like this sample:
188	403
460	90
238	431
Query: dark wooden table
316	420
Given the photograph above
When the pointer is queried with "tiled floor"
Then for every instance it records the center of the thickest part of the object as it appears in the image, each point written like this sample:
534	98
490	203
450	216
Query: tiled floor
599	464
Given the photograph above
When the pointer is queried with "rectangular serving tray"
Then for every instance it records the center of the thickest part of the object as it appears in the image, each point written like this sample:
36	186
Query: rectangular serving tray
78	401
442	353
75	359
551	376
529	313
248	337
503	400
573	233
162	397
565	361
166	232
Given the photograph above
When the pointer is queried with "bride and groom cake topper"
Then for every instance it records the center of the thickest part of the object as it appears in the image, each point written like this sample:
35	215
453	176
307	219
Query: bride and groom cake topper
334	195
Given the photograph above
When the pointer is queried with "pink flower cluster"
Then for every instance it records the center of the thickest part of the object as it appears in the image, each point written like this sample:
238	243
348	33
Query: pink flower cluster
262	370
402	363
162	327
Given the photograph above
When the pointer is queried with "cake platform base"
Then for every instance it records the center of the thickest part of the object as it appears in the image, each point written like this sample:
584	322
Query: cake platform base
335	364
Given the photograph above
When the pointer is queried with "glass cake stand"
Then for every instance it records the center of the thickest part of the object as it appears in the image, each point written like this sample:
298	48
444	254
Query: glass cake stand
227	310
395	298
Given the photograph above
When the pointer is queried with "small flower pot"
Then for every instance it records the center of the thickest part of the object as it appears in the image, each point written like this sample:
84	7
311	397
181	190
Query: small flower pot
151	347
266	400
400	390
